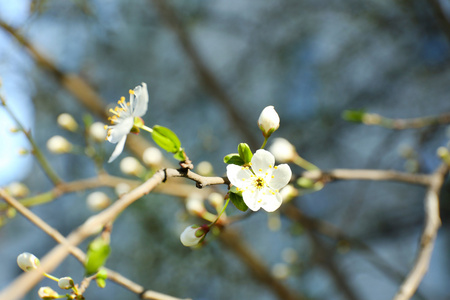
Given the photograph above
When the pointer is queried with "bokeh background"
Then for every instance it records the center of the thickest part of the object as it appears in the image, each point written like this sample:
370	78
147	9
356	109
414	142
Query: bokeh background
211	67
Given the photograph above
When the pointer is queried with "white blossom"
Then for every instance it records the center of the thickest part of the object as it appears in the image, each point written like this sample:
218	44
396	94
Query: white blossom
192	235
131	166
67	122
268	121
194	204
125	115
97	201
46	292
58	145
152	156
27	261
66	283
260	183
282	150
97	131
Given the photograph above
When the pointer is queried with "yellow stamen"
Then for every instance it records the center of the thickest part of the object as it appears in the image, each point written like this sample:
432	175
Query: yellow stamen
131	92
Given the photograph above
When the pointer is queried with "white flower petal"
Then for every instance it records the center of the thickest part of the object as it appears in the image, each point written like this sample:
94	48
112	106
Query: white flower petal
117	132
238	176
141	100
271	202
251	199
118	149
280	177
262	162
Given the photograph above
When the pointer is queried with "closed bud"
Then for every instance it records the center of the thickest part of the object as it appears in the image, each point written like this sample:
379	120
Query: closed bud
17	189
47	293
58	145
195	205
288	193
268	121
27	261
192	235
97	131
283	150
66	283
67	122
122	188
152	157
205	168
131	166
97	201
216	200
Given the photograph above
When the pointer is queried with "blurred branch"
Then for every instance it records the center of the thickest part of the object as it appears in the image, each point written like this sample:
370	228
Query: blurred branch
235	243
10	292
376	175
400	124
441	17
431	227
93	224
206	77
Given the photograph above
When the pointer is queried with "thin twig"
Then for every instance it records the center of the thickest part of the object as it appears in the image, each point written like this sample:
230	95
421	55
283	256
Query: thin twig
431	227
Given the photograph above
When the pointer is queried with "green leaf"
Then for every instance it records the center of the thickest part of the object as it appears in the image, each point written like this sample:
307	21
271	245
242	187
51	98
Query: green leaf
234	159
98	251
245	153
180	155
100	282
354	115
238	201
166	139
87	120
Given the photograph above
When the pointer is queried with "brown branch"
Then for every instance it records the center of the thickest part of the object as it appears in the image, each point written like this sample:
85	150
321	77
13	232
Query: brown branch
376	175
206	77
90	227
431	227
401	124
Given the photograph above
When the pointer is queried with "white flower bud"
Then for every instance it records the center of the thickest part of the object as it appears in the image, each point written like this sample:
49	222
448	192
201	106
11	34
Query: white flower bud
67	122
205	168
97	201
17	189
58	145
268	121
66	283
152	156
46	292
122	188
282	150
288	192
27	261
97	131
280	271
192	235
131	166
194	204
289	255
216	200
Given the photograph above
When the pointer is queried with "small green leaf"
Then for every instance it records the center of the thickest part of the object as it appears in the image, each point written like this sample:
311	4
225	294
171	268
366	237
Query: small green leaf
234	159
87	120
238	201
98	251
100	282
245	153
180	155
354	115
166	139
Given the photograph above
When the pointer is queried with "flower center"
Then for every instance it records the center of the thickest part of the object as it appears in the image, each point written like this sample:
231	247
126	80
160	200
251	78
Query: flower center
259	182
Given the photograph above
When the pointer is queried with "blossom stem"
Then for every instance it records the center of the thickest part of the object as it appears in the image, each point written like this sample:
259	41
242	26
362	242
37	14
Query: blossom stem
220	214
301	162
146	128
36	151
265	142
51	277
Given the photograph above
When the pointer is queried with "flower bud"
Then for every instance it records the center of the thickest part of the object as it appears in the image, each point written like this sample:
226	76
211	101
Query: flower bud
66	283
288	193
122	188
268	121
27	261
194	204
131	166
280	271
97	201
205	168
192	235
58	145
67	122
98	132
17	189
152	156
216	200
283	150
47	293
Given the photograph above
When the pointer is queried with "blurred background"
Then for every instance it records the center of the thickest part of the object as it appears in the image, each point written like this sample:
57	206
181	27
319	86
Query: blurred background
211	67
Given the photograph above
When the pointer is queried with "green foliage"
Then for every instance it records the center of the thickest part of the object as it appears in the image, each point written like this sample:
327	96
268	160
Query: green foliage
166	139
245	153
98	252
238	201
101	277
234	159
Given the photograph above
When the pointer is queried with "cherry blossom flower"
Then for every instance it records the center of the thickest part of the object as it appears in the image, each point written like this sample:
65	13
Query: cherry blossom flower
261	181
127	118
